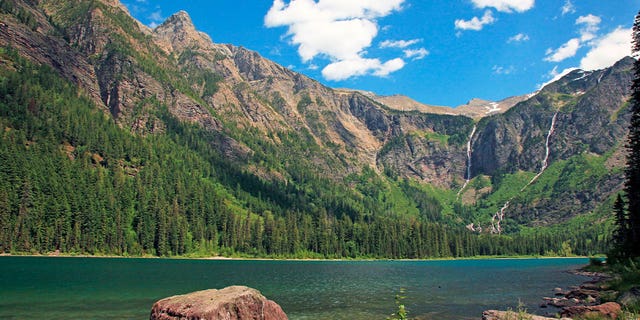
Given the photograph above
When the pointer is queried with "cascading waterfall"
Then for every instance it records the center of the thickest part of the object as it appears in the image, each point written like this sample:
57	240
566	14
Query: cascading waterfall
499	216
545	162
497	219
468	177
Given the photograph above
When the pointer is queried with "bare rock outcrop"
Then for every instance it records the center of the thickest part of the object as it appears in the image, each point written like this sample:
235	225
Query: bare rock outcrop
230	303
511	315
609	310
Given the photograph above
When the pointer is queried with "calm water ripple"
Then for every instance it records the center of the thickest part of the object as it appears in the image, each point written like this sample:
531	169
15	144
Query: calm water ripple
105	288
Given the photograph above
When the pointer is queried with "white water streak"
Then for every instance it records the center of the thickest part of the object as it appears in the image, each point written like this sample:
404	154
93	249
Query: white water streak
468	177
499	216
497	219
545	162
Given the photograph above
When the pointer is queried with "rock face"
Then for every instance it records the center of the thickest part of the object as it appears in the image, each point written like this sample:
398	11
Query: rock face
231	303
475	108
253	106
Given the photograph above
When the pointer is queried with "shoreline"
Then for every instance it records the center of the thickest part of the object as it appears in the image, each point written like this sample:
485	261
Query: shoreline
225	258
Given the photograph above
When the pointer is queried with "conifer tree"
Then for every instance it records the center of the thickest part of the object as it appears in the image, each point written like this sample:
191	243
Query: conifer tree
632	183
622	229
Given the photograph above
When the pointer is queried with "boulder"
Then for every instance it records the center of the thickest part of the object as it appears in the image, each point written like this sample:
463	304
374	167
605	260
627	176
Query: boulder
512	315
582	294
609	310
231	303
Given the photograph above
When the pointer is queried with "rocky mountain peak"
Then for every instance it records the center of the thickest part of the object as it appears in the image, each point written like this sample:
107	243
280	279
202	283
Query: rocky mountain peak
178	33
180	19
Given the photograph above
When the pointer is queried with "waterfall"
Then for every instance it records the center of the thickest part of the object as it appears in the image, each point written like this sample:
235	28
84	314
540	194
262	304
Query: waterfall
498	216
497	219
545	162
468	177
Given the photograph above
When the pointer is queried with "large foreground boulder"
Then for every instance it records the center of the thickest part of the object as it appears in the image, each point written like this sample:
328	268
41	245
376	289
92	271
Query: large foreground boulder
231	303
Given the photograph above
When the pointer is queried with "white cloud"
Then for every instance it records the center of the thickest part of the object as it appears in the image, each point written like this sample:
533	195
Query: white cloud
567	50
503	70
604	52
555	75
388	67
607	50
398	43
568	8
590	25
345	69
335	29
416	54
475	23
520	37
155	18
505	5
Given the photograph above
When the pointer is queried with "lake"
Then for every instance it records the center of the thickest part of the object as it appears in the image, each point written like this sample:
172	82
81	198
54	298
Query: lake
123	288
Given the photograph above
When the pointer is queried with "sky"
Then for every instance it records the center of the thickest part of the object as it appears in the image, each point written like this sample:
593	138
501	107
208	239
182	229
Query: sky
438	52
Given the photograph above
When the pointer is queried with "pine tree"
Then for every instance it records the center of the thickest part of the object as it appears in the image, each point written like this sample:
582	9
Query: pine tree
622	228
632	183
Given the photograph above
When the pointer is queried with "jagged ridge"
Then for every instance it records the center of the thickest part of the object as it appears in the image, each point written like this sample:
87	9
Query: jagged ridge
245	98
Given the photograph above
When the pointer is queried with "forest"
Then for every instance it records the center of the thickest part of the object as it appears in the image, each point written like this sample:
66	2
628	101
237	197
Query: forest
72	180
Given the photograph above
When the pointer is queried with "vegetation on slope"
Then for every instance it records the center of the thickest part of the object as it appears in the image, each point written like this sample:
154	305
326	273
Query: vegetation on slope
72	180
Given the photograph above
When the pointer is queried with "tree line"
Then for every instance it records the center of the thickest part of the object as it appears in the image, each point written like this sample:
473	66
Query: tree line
72	180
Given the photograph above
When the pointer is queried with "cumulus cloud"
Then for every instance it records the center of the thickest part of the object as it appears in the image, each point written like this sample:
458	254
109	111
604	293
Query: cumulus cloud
568	8
156	19
505	5
416	54
338	30
567	50
607	50
398	43
520	37
604	52
345	69
589	26
475	23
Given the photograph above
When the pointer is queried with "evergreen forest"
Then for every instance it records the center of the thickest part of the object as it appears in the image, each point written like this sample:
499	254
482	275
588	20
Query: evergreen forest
73	180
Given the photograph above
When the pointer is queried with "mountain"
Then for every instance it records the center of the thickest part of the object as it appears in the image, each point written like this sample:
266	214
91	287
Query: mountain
475	108
179	145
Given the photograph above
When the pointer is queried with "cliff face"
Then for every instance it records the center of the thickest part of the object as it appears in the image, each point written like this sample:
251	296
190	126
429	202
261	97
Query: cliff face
591	117
253	104
575	122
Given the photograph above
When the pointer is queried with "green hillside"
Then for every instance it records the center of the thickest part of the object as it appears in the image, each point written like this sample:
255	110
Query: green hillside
72	180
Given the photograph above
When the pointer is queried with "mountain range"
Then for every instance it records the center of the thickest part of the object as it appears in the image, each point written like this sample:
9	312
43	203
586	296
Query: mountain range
276	142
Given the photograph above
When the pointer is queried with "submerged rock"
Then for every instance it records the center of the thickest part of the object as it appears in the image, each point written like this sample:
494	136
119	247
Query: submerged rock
231	303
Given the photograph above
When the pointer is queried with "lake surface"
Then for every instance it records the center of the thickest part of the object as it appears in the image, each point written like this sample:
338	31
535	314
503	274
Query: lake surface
105	288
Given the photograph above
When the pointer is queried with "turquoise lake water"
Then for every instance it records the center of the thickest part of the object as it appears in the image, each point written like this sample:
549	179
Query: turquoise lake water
105	288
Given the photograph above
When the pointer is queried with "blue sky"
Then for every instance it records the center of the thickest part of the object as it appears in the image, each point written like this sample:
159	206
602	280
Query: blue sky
438	52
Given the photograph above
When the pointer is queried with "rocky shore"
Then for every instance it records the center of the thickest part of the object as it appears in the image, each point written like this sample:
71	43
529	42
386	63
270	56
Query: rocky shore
590	299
